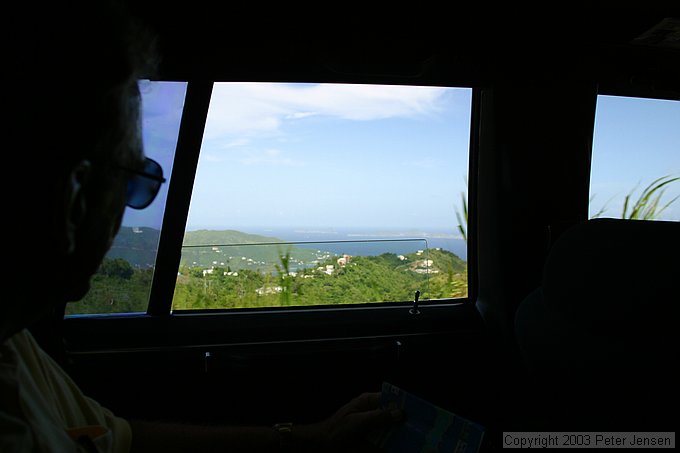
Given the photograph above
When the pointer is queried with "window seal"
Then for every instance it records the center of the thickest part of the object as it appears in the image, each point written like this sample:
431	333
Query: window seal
98	333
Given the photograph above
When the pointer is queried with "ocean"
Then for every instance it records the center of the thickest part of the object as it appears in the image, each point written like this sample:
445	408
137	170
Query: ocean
367	242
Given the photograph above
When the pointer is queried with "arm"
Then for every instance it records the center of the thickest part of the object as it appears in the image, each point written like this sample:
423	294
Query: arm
166	437
343	431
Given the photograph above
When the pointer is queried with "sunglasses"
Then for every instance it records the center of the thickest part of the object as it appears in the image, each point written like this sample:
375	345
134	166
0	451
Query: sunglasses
143	185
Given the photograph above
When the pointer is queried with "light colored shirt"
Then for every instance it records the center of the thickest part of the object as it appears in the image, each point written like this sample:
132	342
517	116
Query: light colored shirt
43	410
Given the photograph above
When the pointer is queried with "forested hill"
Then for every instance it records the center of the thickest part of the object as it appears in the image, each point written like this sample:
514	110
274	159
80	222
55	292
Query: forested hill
223	237
438	274
138	245
236	250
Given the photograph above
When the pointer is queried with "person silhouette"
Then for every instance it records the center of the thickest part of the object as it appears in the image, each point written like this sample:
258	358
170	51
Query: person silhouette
71	115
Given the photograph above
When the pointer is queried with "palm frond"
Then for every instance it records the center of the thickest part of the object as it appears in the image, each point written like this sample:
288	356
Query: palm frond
646	207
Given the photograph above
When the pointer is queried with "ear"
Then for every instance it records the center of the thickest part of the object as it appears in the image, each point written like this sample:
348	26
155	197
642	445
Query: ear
75	202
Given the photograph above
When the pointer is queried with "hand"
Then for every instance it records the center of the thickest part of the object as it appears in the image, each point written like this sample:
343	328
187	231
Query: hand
348	428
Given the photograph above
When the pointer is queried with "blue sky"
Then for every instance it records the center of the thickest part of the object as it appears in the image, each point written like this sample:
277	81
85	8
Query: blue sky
332	156
162	104
358	156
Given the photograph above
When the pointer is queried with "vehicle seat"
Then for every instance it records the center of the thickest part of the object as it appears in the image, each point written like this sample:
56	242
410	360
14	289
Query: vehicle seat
599	337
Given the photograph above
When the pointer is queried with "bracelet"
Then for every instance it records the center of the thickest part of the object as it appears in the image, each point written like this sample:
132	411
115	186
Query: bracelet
285	431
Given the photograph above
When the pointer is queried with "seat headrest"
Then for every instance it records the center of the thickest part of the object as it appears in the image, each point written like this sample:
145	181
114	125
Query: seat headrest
601	333
609	285
604	273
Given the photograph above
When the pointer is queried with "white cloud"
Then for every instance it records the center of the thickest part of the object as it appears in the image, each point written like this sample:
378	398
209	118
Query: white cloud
299	115
247	109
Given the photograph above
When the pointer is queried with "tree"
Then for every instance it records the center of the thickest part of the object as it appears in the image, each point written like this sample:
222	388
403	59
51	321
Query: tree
285	279
463	216
117	267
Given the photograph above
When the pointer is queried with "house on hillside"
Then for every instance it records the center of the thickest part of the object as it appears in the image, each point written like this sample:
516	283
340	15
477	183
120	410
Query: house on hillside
344	260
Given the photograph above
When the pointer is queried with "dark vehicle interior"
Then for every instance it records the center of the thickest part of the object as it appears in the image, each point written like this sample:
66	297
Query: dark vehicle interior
536	346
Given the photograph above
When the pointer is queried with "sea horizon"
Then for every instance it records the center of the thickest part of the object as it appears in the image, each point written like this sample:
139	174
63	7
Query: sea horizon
361	241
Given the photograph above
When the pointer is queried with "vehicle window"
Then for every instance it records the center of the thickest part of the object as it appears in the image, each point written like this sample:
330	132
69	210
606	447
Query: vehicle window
123	282
635	170
355	193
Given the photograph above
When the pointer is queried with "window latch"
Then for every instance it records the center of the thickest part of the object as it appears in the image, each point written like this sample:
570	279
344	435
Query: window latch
414	309
206	361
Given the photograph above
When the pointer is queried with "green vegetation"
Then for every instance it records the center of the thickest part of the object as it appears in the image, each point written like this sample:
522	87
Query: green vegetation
336	280
116	288
137	246
236	250
648	205
462	217
324	279
285	278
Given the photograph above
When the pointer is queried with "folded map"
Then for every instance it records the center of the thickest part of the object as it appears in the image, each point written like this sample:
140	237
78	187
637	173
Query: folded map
426	428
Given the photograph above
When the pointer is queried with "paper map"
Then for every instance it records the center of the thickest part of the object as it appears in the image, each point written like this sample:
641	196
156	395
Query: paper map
426	427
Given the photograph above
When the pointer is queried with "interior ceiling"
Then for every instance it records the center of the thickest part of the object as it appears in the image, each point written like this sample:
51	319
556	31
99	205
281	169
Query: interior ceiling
468	45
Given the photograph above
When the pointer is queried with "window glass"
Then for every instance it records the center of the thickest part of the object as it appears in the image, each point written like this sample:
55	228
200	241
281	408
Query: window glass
636	160
361	176
123	282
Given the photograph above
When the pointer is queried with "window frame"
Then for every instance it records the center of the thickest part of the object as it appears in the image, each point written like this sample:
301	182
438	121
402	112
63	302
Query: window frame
197	103
643	92
280	324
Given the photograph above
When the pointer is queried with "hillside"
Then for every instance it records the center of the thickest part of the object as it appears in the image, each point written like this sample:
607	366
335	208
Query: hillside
245	275
222	237
236	250
347	280
136	245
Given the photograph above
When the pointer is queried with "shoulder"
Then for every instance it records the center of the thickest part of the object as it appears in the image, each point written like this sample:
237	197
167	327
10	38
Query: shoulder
40	404
23	348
